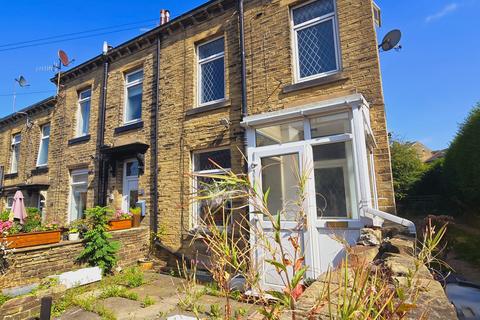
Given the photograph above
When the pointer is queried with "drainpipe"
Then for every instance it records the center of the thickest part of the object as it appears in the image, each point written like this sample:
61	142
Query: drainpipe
242	58
164	18
102	168
154	143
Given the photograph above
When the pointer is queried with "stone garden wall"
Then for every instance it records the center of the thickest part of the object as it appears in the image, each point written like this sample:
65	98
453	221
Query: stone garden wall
29	265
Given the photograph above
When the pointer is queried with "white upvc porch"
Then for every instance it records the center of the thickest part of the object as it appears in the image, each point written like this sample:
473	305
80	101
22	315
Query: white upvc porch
333	142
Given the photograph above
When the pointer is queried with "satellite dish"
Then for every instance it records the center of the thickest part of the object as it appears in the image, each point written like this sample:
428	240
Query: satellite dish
63	58
391	40
22	82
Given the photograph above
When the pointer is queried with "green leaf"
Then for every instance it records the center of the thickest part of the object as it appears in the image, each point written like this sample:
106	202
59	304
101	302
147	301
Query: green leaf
297	277
277	265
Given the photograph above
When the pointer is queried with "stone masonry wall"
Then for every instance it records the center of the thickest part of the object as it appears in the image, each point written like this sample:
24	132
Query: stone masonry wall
29	148
29	265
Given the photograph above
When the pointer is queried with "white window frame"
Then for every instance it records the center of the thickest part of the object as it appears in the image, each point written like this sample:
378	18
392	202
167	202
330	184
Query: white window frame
14	160
72	185
200	62
79	131
42	138
127	86
294	30
9	207
195	213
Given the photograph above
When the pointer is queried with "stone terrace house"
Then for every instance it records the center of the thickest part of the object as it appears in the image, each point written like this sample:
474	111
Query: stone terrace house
24	139
132	123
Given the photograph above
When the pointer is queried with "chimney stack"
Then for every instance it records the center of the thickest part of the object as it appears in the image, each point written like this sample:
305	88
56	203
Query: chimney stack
164	16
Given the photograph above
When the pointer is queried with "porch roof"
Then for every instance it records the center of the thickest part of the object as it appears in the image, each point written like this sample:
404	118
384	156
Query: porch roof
25	186
125	150
304	110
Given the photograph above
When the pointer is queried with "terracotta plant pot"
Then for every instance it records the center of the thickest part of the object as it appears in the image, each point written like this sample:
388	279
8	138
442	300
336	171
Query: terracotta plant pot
22	240
145	265
120	224
136	220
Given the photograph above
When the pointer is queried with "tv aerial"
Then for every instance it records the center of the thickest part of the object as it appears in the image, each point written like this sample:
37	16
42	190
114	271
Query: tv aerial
391	41
22	83
63	60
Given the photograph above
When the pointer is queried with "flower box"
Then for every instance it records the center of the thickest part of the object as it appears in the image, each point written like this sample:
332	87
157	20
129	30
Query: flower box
120	224
31	239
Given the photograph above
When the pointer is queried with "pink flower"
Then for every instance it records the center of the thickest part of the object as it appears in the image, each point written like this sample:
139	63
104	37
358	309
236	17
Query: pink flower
5	225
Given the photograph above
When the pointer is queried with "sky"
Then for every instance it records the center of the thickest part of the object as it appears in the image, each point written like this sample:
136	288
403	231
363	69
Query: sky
429	85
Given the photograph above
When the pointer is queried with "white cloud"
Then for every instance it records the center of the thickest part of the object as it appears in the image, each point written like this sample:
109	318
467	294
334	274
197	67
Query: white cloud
440	14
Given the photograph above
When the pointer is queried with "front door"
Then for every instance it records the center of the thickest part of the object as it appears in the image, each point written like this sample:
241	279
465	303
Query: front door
327	218
130	184
279	173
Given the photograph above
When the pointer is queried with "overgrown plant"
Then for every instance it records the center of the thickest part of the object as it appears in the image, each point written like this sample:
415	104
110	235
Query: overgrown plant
99	250
229	256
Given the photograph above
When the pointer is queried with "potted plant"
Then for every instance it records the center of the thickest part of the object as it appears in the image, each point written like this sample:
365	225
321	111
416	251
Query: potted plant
73	234
121	220
136	215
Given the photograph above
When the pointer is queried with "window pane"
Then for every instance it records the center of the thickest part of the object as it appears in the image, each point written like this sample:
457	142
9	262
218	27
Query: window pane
43	153
212	80
135	76
312	10
79	203
334	180
134	103
330	125
282	133
222	158
132	169
84	118
210	49
80	178
214	210
280	176
46	130
17	138
15	158
85	94
316	49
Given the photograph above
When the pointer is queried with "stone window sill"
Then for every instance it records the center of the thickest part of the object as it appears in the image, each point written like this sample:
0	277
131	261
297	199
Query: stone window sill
210	107
128	127
314	82
79	140
10	175
39	170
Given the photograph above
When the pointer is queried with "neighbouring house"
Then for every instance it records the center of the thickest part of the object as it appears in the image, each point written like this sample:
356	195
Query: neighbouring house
129	125
424	152
25	142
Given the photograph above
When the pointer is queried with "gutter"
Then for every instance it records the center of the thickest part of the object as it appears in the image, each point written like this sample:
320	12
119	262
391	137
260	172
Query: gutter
393	218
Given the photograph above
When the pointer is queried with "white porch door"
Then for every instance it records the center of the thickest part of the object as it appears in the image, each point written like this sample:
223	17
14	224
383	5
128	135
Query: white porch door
278	173
130	184
330	217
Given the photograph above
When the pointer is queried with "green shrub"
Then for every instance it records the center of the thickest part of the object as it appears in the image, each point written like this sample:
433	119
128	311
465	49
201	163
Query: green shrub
462	163
407	168
132	277
148	301
34	220
99	249
5	215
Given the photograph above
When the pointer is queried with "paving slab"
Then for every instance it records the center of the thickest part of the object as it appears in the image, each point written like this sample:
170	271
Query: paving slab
122	308
77	313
